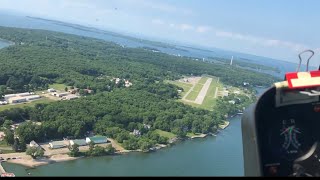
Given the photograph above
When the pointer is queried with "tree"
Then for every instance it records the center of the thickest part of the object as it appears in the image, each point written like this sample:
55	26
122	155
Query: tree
35	152
74	150
110	149
9	137
16	145
82	92
7	123
98	151
22	145
91	146
66	89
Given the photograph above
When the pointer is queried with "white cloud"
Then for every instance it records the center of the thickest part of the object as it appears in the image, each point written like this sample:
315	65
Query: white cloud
297	47
160	6
157	21
203	29
185	27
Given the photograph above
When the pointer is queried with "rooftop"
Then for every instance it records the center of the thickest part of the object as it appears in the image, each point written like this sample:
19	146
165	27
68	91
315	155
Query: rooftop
98	138
79	141
57	143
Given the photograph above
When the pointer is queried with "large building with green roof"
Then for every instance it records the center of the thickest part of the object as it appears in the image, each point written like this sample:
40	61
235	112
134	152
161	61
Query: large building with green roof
80	142
97	139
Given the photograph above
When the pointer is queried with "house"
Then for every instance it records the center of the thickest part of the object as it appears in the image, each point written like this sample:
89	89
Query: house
33	144
232	102
179	91
57	144
89	91
127	83
136	132
51	90
3	102
71	96
117	80
34	97
73	91
97	139
17	100
146	126
80	142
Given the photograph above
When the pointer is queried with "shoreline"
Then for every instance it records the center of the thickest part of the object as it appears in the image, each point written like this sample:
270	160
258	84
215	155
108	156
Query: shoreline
30	163
33	163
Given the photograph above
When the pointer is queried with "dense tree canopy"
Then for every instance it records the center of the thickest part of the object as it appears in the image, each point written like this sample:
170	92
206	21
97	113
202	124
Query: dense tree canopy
39	58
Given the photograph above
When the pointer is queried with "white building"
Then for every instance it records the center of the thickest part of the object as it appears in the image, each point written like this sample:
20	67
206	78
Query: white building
61	94
57	145
17	100
147	126
24	94
97	139
33	144
51	90
34	97
71	96
6	97
3	102
136	132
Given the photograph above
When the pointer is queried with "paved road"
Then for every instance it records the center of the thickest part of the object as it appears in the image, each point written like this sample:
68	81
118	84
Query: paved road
202	94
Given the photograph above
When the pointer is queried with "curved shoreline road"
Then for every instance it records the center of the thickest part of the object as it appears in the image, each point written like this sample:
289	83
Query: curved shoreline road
202	94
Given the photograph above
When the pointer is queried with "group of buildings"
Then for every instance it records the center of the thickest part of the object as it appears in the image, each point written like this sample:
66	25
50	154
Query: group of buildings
19	98
80	142
127	83
64	95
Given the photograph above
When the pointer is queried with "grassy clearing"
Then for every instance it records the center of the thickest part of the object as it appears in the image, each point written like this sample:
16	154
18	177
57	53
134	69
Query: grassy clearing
209	101
4	148
203	80
192	96
43	100
185	86
165	134
190	134
194	93
59	87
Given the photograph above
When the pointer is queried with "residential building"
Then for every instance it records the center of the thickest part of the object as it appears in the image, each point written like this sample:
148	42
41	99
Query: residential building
3	102
80	142
147	126
136	132
51	90
33	144
97	139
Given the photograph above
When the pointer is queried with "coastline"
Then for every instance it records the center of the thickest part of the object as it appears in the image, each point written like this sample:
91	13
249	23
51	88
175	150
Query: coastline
28	162
32	163
225	125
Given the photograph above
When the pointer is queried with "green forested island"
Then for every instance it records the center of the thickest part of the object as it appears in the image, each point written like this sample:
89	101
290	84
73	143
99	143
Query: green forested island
39	58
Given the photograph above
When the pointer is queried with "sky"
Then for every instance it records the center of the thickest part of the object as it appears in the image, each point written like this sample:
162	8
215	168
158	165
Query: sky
278	29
